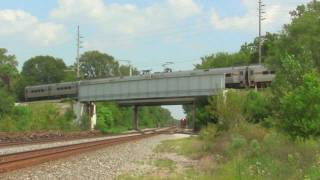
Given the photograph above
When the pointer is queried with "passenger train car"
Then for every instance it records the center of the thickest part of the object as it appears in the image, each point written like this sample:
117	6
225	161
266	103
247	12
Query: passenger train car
51	91
235	77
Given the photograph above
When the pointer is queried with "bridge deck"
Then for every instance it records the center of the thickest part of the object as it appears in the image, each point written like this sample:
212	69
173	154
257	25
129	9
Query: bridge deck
165	86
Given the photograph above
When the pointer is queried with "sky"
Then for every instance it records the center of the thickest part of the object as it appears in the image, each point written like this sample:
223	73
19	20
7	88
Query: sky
146	32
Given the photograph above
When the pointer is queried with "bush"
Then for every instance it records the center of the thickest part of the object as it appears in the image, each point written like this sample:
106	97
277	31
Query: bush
300	110
39	117
208	134
256	107
105	120
255	147
6	103
85	122
7	124
237	143
228	107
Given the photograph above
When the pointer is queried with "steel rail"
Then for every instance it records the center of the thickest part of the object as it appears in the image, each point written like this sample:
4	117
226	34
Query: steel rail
10	162
51	140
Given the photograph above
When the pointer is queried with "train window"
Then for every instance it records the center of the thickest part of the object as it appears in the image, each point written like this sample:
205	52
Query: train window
228	75
241	73
265	72
272	72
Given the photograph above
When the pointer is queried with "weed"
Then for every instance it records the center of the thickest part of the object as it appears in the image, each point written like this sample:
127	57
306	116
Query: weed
165	163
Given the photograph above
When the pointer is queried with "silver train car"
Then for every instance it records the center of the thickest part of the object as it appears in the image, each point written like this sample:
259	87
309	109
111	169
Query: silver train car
253	76
247	76
52	91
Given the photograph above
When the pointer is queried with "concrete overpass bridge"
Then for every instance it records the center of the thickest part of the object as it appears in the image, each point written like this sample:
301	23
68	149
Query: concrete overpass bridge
152	89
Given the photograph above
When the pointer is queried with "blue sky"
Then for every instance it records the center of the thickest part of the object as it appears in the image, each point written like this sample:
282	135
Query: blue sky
146	32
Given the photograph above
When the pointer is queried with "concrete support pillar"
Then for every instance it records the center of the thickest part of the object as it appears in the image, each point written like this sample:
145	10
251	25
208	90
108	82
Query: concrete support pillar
93	116
78	109
193	116
135	124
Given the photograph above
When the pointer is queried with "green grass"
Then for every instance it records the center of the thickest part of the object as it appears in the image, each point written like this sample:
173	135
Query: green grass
190	147
247	153
165	164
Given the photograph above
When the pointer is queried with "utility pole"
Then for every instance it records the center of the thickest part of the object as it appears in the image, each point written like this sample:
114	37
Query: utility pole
261	18
79	42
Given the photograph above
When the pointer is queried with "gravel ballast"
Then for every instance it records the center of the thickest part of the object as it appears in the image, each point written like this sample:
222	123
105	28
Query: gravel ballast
106	163
16	149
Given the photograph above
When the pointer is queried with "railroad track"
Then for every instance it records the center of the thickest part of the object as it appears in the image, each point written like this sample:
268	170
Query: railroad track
10	162
9	144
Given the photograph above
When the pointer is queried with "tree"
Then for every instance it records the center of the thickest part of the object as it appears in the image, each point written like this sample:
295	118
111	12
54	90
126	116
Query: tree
300	110
124	70
70	74
228	107
300	37
248	54
8	69
43	70
6	103
95	64
256	107
223	59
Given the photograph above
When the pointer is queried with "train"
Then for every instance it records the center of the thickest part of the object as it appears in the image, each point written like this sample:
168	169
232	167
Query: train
183	123
253	76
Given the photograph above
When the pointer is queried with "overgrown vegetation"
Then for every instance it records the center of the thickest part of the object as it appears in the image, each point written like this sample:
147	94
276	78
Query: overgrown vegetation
247	152
39	117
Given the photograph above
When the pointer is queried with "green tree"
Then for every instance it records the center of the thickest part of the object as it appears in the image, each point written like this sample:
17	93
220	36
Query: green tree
43	70
223	59
95	64
105	121
256	107
228	107
70	74
300	110
6	103
8	69
300	37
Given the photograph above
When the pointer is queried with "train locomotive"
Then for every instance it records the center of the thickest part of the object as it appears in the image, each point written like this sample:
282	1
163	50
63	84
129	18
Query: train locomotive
253	76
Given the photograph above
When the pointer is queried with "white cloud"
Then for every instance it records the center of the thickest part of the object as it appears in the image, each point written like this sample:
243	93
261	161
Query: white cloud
125	18
277	14
18	23
184	8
